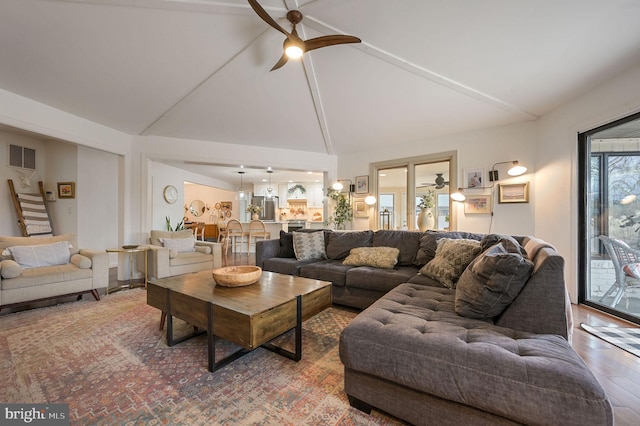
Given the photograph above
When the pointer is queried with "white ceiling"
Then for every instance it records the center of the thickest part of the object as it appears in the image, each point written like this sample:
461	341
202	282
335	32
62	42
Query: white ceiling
199	69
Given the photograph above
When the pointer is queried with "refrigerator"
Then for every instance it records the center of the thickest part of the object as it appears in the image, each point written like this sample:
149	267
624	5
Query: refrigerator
269	206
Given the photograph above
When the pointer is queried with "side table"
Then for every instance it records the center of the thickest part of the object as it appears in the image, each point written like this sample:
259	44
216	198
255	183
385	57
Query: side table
131	251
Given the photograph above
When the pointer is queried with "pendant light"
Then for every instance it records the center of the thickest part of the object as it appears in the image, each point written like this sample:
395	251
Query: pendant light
269	189
241	193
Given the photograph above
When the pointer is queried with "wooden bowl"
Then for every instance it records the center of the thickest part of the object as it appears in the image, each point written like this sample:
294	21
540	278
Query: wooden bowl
237	276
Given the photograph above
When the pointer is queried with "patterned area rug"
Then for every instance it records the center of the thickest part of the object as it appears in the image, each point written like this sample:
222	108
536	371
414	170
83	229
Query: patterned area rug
624	338
111	364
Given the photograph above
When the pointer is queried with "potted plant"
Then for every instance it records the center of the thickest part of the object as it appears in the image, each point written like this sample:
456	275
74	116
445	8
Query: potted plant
342	212
254	210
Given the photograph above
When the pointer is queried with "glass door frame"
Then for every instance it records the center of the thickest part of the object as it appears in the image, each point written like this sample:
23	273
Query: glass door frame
410	163
584	243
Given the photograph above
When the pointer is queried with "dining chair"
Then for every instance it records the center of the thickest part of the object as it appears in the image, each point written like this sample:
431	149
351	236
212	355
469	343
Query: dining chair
626	264
233	231
257	230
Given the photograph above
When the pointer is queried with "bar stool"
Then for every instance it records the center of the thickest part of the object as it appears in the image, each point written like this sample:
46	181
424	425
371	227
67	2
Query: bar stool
257	230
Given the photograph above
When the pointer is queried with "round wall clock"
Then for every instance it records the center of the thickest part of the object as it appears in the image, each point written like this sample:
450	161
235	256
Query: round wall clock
170	194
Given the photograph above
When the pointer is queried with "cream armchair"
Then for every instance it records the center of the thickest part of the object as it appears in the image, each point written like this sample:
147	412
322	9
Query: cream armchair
33	269
171	253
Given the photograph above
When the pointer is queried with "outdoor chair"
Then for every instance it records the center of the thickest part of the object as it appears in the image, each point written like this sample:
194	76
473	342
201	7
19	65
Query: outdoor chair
626	264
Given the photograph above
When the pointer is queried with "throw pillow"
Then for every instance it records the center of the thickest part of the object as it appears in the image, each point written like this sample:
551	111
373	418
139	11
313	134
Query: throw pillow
339	244
309	245
286	245
632	270
10	269
429	244
179	245
41	255
451	259
378	257
493	239
407	242
491	282
203	249
82	262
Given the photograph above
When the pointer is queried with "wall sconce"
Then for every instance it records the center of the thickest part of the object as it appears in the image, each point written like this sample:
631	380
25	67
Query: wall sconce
338	186
370	200
515	170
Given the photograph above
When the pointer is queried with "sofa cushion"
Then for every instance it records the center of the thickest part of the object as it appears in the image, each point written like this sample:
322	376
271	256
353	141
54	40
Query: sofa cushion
65	275
407	242
35	256
493	239
492	281
285	265
339	244
10	269
6	242
429	243
309	245
155	235
377	257
379	280
203	249
452	257
326	270
82	262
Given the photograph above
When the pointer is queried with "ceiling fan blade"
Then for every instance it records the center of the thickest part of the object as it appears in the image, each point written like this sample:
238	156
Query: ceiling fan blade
330	40
266	17
283	60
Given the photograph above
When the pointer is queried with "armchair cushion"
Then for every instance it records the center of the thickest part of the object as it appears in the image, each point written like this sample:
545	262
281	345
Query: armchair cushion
156	235
205	250
10	269
41	255
179	245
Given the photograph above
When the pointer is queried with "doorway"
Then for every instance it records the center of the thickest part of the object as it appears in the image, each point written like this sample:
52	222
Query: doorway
610	218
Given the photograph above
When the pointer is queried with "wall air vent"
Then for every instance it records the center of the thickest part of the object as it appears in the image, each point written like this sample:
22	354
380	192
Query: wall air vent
22	157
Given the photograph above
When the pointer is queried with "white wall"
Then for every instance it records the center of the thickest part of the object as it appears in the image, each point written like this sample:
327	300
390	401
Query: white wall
556	215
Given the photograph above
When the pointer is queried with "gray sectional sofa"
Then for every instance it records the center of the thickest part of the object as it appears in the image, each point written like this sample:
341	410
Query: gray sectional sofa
491	346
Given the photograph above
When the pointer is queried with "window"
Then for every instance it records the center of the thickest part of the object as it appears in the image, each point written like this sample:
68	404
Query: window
22	157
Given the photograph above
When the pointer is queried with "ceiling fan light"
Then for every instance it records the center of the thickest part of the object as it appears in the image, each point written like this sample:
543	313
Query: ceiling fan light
293	51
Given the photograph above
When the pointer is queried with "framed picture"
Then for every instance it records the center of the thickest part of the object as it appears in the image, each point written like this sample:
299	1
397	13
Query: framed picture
473	178
513	193
225	205
66	190
360	208
362	184
478	204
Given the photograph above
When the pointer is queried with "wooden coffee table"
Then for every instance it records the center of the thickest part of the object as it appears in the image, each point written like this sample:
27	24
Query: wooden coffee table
249	316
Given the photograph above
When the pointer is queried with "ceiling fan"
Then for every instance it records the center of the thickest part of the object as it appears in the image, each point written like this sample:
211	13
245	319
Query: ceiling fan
439	183
294	46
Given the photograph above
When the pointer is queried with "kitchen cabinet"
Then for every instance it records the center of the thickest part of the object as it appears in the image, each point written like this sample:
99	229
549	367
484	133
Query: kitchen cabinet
282	195
315	195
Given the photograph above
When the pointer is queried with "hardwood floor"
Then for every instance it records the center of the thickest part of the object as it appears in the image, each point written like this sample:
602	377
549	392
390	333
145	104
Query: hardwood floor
617	370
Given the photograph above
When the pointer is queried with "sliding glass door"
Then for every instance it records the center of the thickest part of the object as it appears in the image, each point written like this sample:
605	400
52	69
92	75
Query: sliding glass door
610	218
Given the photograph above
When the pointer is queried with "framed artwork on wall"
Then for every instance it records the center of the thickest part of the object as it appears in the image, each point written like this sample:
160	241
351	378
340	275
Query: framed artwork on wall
362	184
473	178
478	204
513	193
360	208
226	205
66	190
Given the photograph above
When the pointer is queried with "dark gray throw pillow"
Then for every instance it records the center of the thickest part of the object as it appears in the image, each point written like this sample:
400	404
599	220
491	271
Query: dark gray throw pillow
492	281
512	244
429	243
286	245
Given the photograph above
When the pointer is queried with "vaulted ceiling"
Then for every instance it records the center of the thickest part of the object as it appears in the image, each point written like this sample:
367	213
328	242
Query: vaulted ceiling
199	69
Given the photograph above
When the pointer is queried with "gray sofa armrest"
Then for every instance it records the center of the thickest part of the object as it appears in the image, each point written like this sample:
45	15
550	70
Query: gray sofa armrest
99	266
266	249
541	305
216	252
